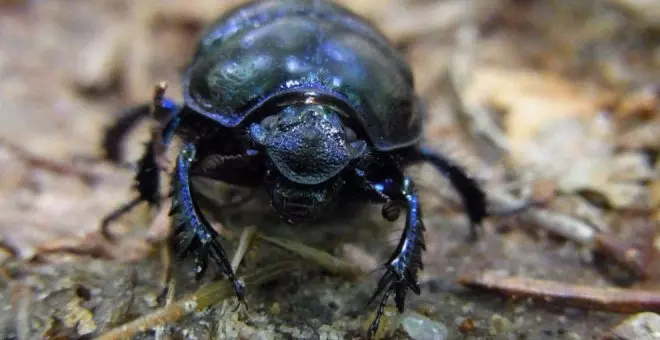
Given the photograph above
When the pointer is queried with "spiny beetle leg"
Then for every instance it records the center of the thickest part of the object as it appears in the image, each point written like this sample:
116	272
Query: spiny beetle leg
116	133
147	178
194	233
160	108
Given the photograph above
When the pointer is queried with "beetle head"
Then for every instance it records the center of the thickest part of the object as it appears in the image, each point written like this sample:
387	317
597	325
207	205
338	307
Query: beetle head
308	142
309	146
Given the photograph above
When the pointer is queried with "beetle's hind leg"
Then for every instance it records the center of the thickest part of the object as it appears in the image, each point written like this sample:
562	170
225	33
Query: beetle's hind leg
161	109
192	231
147	178
472	196
116	133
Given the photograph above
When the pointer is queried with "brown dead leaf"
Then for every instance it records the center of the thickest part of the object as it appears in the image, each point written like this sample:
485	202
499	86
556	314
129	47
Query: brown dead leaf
641	326
647	11
642	103
56	330
616	178
203	11
102	59
654	195
555	129
161	226
531	100
645	135
79	317
429	63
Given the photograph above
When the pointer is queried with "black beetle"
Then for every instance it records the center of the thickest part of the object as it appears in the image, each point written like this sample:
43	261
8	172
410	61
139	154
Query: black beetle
311	103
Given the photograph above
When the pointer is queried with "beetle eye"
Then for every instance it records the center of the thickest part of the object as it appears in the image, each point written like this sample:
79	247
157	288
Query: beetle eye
350	134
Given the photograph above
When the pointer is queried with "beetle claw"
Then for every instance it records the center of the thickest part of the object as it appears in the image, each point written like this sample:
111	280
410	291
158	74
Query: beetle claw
393	281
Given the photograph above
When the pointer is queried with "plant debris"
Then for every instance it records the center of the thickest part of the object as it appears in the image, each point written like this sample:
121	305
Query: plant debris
558	293
200	300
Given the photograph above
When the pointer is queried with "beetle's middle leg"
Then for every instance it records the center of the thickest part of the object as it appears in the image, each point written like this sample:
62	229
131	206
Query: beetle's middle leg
147	178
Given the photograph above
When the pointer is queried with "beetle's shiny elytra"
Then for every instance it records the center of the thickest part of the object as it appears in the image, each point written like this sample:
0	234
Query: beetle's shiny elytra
308	102
270	49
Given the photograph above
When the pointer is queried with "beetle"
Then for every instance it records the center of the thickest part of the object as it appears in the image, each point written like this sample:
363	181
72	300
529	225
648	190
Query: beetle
309	102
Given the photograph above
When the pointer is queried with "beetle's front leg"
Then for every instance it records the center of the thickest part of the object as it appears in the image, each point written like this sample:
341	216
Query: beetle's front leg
194	233
147	178
403	266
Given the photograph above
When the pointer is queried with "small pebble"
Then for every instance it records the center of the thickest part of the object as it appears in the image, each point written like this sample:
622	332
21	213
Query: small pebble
499	325
572	336
467	326
642	326
388	323
419	327
275	309
467	308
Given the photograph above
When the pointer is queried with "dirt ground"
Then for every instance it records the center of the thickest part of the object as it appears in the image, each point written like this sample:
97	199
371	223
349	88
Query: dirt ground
554	101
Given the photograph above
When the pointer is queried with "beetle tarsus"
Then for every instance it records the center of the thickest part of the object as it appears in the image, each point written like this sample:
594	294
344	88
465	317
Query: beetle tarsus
147	183
115	214
194	233
373	328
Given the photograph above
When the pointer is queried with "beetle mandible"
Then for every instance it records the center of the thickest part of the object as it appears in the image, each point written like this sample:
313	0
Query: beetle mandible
310	102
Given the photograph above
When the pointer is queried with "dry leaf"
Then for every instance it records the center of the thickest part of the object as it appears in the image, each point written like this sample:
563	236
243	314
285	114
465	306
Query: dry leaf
555	129
647	11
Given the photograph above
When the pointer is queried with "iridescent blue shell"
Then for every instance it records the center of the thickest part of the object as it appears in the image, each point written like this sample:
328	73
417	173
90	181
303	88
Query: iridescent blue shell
273	48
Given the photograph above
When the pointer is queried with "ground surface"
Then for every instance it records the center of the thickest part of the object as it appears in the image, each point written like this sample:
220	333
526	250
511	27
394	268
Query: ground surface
571	89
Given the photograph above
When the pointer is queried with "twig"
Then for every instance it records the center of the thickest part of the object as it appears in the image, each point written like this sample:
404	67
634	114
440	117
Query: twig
9	248
318	257
593	298
563	225
219	291
635	255
200	300
244	244
22	301
169	285
167	280
92	244
60	168
477	119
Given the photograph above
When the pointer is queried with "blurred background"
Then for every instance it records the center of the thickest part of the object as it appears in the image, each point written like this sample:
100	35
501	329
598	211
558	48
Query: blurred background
548	100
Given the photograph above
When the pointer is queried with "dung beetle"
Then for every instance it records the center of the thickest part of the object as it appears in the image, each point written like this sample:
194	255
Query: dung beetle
309	102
